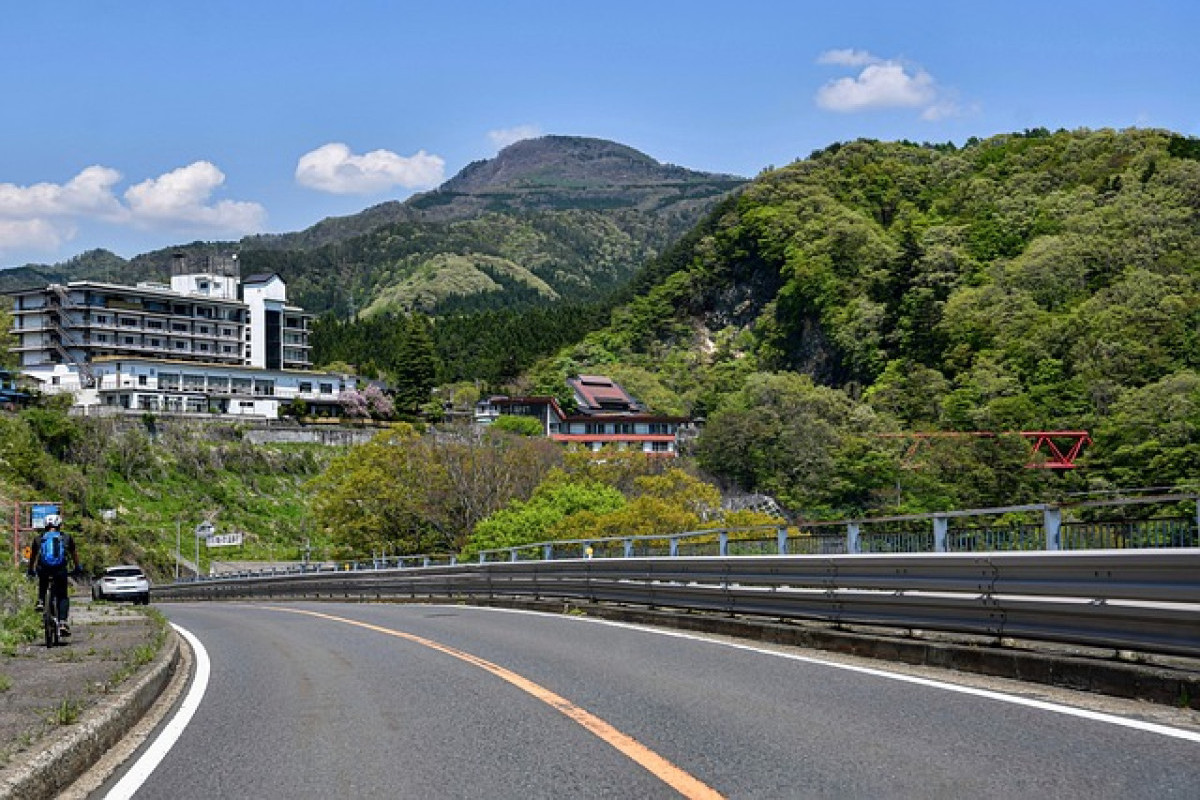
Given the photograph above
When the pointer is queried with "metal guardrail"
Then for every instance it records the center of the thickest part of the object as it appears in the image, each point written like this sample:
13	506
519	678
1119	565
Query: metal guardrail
1146	600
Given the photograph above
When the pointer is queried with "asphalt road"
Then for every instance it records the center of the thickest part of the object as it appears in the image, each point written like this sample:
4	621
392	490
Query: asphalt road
461	702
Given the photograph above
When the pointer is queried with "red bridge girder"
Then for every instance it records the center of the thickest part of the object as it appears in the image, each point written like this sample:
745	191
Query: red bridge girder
1056	458
1059	448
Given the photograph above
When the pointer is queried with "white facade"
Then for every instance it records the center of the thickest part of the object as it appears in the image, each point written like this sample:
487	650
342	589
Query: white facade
154	386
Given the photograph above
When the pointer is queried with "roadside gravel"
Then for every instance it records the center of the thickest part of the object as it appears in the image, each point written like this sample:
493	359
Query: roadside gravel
51	689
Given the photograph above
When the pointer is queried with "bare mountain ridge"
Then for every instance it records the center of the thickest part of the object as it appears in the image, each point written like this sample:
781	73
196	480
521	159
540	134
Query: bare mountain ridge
549	173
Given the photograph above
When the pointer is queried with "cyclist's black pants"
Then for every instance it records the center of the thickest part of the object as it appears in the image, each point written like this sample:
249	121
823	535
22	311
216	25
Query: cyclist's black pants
60	590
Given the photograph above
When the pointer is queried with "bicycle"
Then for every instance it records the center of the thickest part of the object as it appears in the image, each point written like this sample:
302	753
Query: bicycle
50	616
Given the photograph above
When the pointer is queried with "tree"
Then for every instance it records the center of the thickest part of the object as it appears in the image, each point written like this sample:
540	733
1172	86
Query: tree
1152	437
782	435
425	494
8	358
374	496
414	365
519	425
541	518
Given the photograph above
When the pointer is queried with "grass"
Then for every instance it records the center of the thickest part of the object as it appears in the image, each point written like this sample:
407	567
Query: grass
67	712
5	683
20	623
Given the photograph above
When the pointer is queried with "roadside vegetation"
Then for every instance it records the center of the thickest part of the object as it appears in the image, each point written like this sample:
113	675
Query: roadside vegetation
133	487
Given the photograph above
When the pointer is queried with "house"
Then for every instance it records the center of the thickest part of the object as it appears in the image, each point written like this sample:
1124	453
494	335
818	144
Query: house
606	415
207	342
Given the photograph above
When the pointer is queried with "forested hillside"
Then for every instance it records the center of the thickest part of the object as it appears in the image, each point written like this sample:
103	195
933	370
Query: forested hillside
1024	282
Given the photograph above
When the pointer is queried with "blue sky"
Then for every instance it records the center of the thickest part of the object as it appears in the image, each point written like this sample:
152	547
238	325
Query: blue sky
134	125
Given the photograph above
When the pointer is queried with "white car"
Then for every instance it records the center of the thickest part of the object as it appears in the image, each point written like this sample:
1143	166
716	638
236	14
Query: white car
125	582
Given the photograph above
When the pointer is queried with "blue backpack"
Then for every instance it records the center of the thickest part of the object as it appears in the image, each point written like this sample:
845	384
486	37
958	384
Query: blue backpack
54	549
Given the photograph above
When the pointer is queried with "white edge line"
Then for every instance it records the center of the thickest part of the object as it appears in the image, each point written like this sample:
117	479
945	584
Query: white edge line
1043	705
156	752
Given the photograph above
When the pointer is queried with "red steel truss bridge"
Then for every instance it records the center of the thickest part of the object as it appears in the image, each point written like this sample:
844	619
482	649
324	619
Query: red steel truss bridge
1048	449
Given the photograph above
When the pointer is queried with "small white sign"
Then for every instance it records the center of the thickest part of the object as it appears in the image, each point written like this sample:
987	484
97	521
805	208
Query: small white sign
225	540
205	529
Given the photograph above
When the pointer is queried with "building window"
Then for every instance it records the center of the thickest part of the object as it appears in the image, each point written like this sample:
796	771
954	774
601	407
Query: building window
660	447
142	380
326	388
305	387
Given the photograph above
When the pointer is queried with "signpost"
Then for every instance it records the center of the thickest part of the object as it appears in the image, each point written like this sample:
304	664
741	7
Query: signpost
203	530
28	517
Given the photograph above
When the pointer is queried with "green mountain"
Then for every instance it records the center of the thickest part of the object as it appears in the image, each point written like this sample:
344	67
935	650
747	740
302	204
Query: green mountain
1037	281
557	217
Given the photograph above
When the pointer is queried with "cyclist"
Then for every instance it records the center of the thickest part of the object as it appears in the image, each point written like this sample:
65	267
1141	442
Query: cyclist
47	571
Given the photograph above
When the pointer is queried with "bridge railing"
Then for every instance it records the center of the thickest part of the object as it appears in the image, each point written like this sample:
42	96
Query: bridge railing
973	531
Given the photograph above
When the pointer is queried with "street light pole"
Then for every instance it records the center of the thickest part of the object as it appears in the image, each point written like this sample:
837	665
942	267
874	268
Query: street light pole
178	542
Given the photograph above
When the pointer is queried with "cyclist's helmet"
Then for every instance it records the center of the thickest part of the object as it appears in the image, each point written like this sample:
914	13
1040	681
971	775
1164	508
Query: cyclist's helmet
53	521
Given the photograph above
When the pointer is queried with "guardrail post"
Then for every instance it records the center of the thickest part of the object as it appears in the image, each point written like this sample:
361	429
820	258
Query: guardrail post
674	546
512	554
852	537
940	526
629	548
424	561
781	541
722	543
1052	523
547	552
454	561
483	558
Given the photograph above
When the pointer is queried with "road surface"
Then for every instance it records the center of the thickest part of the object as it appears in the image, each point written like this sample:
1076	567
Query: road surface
409	701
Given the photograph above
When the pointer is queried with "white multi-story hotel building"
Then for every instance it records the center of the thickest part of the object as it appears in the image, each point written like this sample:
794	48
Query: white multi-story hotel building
209	342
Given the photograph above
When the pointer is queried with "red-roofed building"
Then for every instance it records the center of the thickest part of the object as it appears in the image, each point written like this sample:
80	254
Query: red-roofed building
597	394
607	416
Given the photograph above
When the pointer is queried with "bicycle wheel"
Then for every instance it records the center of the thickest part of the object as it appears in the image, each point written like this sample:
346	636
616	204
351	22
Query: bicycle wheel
50	619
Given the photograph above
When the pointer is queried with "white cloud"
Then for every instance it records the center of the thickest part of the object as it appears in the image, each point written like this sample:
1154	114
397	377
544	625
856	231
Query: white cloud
180	199
32	234
847	58
88	194
503	137
333	168
45	216
882	83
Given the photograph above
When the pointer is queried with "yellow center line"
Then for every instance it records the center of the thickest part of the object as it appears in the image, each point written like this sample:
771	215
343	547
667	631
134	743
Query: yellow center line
661	768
